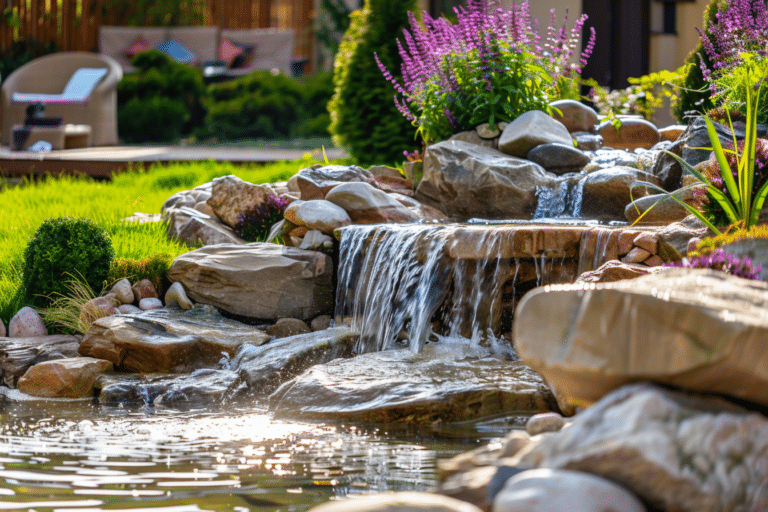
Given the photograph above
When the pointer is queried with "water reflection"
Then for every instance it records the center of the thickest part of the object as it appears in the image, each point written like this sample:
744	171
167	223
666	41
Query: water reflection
80	456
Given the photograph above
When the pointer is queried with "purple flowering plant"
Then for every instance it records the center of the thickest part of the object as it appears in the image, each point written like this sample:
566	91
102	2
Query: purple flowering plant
255	224
724	262
490	66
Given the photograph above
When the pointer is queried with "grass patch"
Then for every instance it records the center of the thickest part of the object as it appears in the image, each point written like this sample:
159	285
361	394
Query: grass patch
26	206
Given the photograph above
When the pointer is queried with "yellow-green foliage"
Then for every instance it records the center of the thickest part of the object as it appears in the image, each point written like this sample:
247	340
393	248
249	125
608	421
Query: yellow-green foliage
707	245
154	268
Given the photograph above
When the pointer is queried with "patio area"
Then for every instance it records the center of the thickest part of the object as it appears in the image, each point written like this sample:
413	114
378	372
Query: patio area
101	162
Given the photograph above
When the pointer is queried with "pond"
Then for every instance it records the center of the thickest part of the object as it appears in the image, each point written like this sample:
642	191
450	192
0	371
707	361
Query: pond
82	456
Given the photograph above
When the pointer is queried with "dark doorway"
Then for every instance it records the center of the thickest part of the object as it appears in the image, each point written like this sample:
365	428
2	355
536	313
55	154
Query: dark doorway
621	50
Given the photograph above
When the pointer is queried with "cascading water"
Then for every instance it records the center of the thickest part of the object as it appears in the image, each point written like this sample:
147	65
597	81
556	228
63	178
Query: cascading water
395	281
564	200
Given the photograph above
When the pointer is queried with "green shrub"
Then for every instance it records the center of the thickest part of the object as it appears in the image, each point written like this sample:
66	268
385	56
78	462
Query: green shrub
63	248
266	106
255	224
364	118
21	51
162	101
694	93
155	268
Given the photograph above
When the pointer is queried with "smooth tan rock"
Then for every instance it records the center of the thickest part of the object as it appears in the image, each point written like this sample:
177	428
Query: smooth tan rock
316	240
612	271
231	197
636	255
587	141
316	182
176	293
653	261
576	116
318	214
385	171
199	230
397	502
123	292
167	340
395	185
647	241
286	327
17	355
544	422
367	205
632	134
485	132
63	378
26	323
2	329
470	486
700	330
673	132
127	309
557	490
472	137
144	289
465	181
403	387
659	209
530	130
260	280
676	451
320	323
422	211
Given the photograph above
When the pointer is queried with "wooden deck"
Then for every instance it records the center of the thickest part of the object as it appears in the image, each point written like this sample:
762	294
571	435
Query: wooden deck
101	162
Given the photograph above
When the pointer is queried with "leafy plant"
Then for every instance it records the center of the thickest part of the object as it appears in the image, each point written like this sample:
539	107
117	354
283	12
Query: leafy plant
154	267
60	247
255	224
157	13
488	67
736	194
724	262
643	97
363	117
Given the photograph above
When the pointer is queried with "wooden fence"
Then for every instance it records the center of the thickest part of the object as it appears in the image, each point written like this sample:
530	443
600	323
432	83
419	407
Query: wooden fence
74	24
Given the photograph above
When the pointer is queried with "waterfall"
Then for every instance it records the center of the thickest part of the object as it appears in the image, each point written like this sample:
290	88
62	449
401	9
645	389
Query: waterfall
563	200
397	284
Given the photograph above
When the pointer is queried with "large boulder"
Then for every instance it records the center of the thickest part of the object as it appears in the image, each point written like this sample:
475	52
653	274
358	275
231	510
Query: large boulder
576	116
63	378
701	330
167	340
403	387
231	197
466	180
17	355
317	214
530	130
200	386
607	192
262	369
633	133
26	323
315	182
558	158
259	280
677	452
196	228
368	205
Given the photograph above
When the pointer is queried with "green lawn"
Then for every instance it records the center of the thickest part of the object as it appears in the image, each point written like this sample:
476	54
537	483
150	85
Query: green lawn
25	207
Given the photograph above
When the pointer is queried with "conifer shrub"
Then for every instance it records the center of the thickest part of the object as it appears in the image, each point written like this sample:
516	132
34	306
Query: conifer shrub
61	249
364	117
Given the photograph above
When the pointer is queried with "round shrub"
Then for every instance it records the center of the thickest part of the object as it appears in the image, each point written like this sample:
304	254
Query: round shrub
61	248
364	118
154	119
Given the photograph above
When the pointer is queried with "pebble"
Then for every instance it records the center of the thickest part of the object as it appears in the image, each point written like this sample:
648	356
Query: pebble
128	309
557	490
150	303
26	323
176	293
545	422
144	289
123	292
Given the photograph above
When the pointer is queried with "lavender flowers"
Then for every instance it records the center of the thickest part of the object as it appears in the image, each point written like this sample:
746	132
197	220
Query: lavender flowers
491	66
721	260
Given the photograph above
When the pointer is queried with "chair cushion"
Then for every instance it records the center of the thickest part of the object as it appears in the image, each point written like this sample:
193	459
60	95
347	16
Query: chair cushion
138	45
176	51
78	89
235	54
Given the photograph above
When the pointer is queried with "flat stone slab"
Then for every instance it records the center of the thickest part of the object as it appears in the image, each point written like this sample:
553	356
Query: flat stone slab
262	369
17	355
529	241
700	330
200	386
404	387
167	340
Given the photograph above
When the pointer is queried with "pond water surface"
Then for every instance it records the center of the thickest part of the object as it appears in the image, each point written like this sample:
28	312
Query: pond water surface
81	456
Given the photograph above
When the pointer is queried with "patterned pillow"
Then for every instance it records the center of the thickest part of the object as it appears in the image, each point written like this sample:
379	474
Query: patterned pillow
236	55
137	46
